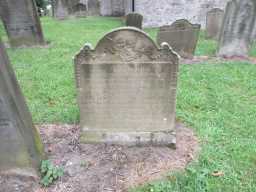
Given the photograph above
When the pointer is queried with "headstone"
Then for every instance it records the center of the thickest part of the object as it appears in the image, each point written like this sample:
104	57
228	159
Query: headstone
214	20
21	22
64	9
20	144
134	20
60	9
237	28
118	8
115	8
127	90
182	36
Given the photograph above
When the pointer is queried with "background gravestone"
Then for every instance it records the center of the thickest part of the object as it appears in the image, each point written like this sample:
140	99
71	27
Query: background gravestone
115	8
20	145
134	20
21	22
127	90
237	28
79	8
182	36
214	20
60	9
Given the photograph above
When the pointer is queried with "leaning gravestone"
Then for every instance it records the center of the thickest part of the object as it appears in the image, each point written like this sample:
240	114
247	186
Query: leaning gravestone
21	149
134	20
182	36
214	20
127	90
21	22
237	28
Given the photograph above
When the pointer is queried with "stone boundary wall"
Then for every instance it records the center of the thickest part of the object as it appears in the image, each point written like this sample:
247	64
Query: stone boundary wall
164	12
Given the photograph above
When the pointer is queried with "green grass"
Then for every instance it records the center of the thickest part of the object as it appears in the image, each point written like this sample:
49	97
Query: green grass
217	99
219	102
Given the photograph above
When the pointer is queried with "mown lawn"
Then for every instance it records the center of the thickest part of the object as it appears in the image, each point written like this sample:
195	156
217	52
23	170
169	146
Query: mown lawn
217	99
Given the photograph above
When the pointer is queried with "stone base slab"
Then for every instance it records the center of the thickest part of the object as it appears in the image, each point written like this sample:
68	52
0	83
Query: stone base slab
19	180
140	139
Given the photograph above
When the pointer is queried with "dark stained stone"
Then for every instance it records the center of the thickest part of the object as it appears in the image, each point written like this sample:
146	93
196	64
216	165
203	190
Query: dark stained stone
182	36
134	20
127	90
237	28
214	20
21	22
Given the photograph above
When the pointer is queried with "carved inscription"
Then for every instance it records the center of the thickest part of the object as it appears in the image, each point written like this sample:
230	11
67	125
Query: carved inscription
127	89
127	93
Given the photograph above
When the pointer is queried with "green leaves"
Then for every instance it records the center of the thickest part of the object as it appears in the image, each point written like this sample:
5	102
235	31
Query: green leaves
49	173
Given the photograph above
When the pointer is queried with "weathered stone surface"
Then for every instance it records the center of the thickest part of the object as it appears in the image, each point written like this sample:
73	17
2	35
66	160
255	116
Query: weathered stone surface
157	13
134	20
21	22
127	90
79	8
20	144
214	20
19	180
182	36
237	28
115	8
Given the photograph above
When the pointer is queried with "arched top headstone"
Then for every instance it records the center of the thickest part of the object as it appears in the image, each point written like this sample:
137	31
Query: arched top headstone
181	24
215	10
127	90
127	44
181	35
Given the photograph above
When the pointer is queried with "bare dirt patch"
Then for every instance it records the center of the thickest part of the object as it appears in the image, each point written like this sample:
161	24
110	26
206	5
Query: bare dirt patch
102	168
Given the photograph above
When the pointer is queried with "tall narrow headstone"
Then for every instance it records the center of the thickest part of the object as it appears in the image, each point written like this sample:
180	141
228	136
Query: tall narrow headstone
21	22
118	8
214	20
127	90
237	28
60	9
182	36
21	150
134	20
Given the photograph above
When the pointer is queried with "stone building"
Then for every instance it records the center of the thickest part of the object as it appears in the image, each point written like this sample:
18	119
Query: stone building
164	12
155	13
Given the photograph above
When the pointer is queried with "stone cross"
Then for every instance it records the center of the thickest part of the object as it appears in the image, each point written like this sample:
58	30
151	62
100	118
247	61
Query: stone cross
182	36
127	90
21	22
214	20
237	28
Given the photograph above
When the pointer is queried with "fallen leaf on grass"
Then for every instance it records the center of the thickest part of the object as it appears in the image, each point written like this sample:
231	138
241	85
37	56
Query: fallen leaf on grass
217	174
